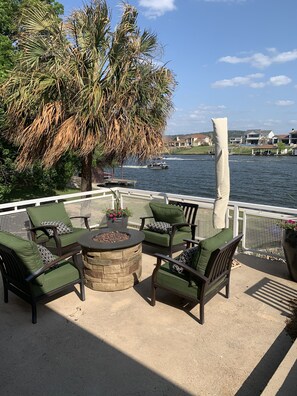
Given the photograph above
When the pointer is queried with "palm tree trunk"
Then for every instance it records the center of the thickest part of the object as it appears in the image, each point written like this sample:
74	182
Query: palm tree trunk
86	172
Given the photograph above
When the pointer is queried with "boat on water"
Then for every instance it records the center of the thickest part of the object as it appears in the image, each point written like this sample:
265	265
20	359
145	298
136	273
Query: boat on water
158	165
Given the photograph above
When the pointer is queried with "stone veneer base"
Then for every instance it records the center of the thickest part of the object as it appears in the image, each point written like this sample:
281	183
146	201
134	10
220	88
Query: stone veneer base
112	270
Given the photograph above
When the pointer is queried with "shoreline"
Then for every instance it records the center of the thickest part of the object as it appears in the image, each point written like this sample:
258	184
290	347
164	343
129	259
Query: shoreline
232	151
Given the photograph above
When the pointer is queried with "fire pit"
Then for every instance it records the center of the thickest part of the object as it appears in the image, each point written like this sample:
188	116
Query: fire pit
112	259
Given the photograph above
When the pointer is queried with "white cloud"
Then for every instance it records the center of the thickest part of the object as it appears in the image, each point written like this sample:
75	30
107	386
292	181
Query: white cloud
260	60
257	85
204	112
249	81
284	102
279	80
241	80
270	122
156	8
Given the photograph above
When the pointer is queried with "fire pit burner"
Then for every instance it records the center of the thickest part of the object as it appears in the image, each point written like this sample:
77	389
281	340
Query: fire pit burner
111	237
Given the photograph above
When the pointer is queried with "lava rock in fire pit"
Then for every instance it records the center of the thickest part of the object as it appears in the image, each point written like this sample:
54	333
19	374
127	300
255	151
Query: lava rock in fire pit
111	237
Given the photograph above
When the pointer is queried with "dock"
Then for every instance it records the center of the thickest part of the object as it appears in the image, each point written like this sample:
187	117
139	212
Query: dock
117	182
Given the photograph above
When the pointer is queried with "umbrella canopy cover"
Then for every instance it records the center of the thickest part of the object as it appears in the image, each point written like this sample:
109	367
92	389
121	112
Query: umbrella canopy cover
222	172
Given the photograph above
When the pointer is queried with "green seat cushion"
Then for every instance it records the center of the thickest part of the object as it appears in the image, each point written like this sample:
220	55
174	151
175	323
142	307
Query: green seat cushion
57	277
67	239
208	246
48	212
168	213
178	282
26	251
181	284
164	239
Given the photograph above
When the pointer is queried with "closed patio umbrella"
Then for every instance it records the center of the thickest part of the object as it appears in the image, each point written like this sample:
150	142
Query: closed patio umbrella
222	172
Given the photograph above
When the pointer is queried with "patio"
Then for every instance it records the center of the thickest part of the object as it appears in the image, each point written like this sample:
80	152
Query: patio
115	343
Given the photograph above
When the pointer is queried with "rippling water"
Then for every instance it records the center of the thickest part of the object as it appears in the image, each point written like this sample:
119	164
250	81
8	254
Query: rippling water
263	180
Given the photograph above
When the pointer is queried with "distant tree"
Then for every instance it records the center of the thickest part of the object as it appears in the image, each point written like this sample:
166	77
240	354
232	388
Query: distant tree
281	146
34	181
77	85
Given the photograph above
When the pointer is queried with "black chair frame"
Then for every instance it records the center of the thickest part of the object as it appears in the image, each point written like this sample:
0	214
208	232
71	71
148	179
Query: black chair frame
16	279
218	267
190	211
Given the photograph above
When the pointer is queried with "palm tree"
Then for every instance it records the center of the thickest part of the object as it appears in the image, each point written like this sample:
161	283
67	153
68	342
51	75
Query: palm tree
79	85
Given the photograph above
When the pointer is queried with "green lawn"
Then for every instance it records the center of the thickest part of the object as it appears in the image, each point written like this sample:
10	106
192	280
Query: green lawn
210	149
23	194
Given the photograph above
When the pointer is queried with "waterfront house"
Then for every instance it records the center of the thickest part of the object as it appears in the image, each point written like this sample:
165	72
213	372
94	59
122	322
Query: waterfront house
259	137
289	138
199	139
293	137
236	140
189	140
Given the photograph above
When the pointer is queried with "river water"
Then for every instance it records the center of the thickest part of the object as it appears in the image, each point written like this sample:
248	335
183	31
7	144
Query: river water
254	179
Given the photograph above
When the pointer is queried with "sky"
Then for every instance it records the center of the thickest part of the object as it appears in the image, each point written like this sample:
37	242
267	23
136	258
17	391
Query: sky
231	58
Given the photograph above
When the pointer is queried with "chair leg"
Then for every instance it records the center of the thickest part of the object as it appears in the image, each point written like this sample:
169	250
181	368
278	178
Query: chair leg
153	299
82	291
34	312
5	292
228	289
201	312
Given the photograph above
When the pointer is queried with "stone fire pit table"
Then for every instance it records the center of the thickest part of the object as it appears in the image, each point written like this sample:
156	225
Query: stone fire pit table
112	266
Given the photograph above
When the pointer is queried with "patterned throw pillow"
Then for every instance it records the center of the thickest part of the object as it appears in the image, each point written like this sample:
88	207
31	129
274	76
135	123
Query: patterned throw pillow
46	256
186	257
160	226
61	227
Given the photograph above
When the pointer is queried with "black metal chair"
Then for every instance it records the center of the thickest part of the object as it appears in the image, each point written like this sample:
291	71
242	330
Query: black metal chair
181	216
203	277
48	235
24	273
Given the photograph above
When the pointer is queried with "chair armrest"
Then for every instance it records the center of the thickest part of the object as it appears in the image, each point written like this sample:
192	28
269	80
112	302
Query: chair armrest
143	221
86	220
184	225
161	257
52	264
43	229
55	235
175	225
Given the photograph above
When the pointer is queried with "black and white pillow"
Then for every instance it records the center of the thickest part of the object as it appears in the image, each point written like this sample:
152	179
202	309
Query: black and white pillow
46	256
186	257
160	226
62	228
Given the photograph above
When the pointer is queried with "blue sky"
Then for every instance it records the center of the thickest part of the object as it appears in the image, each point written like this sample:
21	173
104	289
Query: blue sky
231	58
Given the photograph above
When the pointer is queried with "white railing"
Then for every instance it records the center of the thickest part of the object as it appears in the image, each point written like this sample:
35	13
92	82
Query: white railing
257	222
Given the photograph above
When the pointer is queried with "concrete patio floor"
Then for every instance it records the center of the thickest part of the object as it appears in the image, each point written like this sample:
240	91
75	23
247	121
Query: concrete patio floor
115	343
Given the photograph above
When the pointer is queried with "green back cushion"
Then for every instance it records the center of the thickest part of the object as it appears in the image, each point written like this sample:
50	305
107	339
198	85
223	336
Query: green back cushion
26	251
49	212
208	246
168	213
